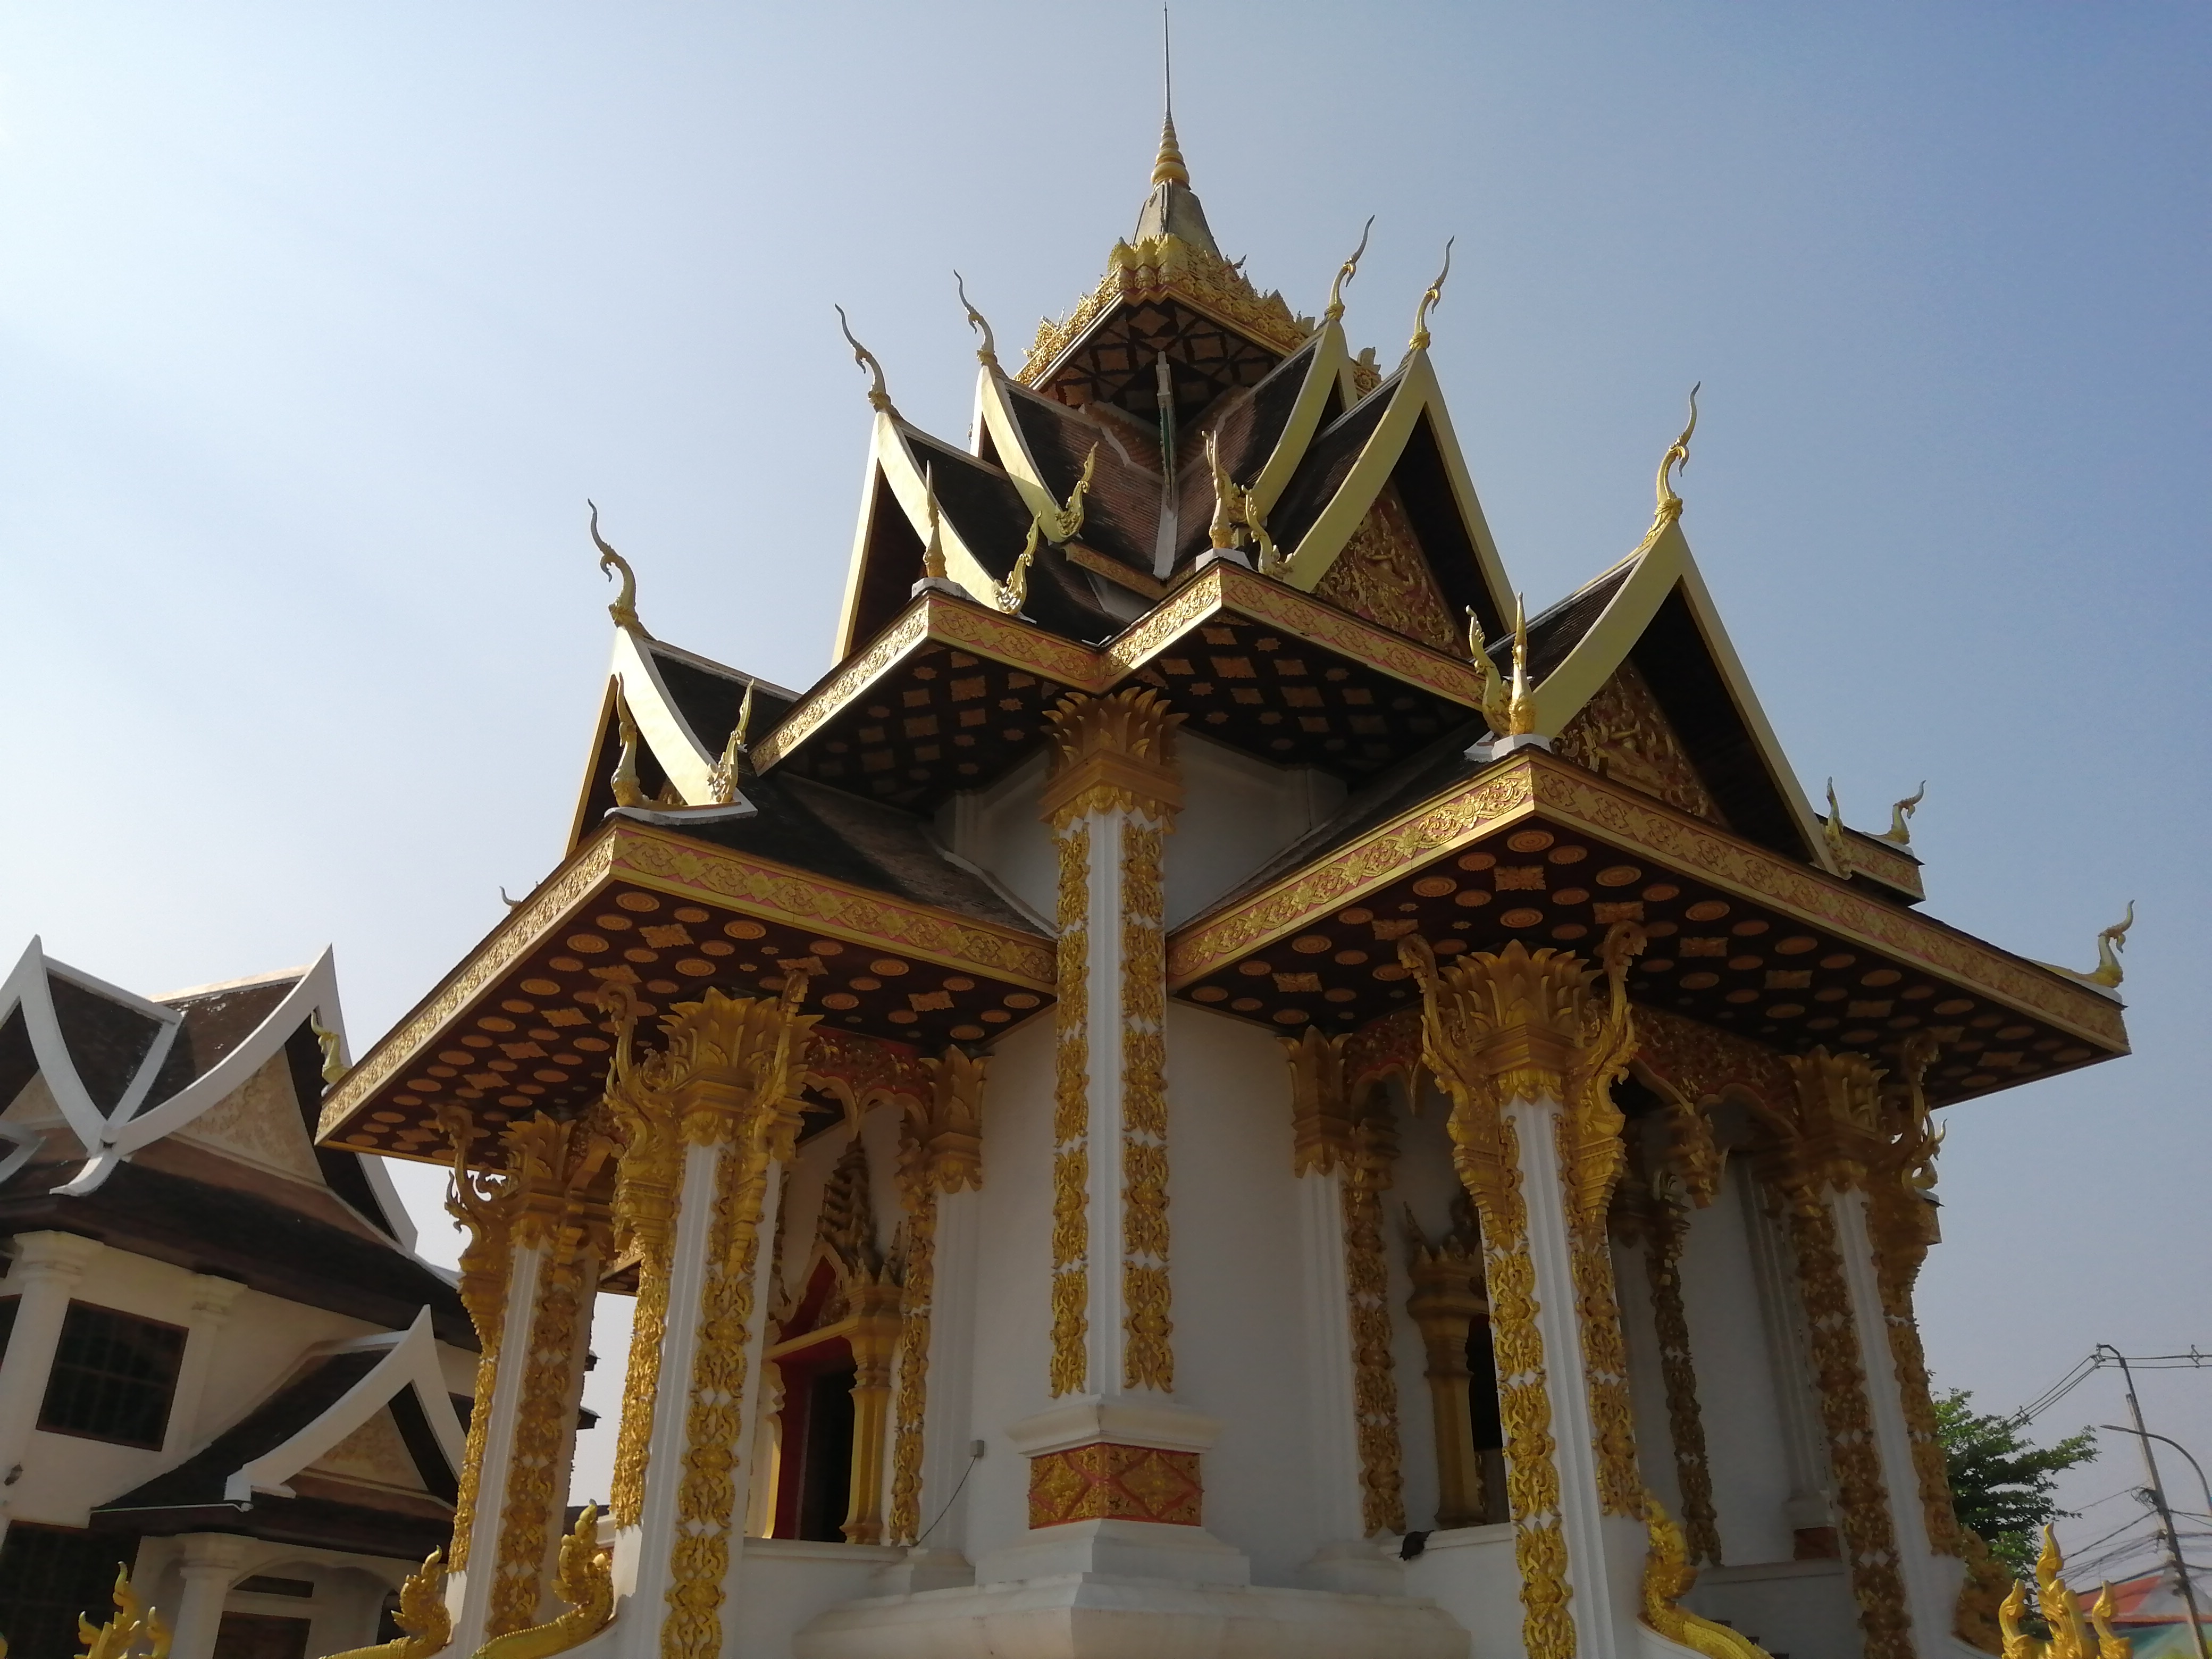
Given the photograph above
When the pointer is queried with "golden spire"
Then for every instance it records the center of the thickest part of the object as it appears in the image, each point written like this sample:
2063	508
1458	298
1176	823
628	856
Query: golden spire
988	353
1345	274
1434	293
1167	166
624	609
879	399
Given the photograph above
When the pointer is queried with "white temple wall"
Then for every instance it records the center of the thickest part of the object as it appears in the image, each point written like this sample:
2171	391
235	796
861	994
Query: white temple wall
999	830
1012	1291
1737	1373
1240	1307
1237	813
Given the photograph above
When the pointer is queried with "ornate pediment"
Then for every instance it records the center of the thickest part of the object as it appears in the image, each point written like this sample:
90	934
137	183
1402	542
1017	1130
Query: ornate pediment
1382	574
1622	734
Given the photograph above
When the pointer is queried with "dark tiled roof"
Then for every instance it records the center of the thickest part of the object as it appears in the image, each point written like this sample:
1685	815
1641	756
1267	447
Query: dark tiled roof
1123	510
215	1022
1320	471
106	1042
707	694
1272	401
235	1234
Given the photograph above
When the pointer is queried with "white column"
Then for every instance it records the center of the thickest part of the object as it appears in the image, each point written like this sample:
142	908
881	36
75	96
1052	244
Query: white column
469	1591
751	1471
1809	1506
212	1301
1333	1426
209	1563
48	1268
1931	1581
949	1428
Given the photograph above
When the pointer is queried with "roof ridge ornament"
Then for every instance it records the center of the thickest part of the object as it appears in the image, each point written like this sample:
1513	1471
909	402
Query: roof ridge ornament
1013	593
1430	296
624	609
1168	167
723	777
932	554
2107	974
1831	828
1667	506
1345	273
628	790
1512	711
1899	833
879	398
988	353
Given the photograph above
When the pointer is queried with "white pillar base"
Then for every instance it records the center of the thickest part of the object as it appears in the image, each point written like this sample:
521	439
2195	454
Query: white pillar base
1090	1616
1356	1566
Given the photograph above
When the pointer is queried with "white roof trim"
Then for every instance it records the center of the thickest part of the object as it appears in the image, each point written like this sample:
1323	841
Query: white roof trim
412	1359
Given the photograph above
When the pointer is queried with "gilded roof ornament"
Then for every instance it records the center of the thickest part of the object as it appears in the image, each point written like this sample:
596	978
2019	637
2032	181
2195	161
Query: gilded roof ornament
933	555
1013	593
624	609
1668	506
722	778
988	353
1167	166
1345	273
1831	828
1062	526
334	1065
1900	832
879	398
1430	296
1510	709
628	791
2107	974
1223	530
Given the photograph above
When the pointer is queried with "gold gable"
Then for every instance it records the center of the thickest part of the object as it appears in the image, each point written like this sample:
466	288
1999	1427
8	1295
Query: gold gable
1383	576
1622	734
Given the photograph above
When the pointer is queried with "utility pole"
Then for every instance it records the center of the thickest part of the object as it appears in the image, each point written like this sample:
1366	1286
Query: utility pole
2168	1534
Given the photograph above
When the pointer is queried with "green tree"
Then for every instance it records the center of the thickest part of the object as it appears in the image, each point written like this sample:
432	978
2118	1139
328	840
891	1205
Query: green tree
2001	1482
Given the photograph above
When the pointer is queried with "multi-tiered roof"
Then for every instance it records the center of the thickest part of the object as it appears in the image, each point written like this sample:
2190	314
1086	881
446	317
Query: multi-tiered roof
1188	487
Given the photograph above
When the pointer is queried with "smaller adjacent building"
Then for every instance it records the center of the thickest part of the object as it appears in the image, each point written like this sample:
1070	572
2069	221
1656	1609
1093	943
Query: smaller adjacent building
222	1363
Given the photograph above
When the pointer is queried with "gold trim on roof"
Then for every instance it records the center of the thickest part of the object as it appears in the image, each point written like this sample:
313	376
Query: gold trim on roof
1163	267
1530	783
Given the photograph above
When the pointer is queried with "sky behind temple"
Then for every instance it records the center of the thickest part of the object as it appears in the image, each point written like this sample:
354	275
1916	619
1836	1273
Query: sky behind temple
318	324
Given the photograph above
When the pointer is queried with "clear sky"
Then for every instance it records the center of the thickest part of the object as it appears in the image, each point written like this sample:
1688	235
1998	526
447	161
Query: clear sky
318	323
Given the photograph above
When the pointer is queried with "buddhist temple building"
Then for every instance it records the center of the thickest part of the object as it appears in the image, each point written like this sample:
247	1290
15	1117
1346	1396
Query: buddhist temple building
1212	1087
224	1367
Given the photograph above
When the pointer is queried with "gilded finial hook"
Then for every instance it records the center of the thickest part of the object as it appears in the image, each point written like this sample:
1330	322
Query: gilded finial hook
1900	815
1345	273
933	555
988	353
628	790
879	398
1520	711
624	609
1676	460
1432	295
334	1065
723	777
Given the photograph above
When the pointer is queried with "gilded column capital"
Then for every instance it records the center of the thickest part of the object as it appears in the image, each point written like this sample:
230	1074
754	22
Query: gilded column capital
1109	751
1837	1132
1322	1137
941	1136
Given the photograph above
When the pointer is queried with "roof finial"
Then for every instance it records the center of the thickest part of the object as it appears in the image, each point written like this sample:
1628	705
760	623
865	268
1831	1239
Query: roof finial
879	399
1901	827
1434	293
1676	459
1345	274
932	555
624	609
988	353
723	777
1168	167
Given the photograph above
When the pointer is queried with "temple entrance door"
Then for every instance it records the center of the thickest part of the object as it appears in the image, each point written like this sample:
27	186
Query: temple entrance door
814	1475
1483	1417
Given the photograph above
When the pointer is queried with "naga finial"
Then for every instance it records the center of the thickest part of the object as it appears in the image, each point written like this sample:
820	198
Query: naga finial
1013	593
1510	709
1430	296
628	791
1521	708
1832	831
1345	273
1900	815
879	398
334	1065
1062	526
2107	974
1223	530
624	609
1677	457
988	353
1272	562
932	554
722	777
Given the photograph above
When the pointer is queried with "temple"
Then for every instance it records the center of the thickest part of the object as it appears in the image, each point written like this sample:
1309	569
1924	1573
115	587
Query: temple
1212	1087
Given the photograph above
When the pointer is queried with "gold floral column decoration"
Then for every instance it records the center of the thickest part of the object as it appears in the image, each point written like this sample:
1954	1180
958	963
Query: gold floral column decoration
1447	1300
648	1171
1523	1025
1113	795
485	1206
1830	1142
555	1166
1328	1133
1662	1221
729	1067
940	1150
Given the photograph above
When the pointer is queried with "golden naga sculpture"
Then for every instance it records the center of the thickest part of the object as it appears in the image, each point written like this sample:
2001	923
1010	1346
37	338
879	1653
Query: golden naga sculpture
1011	594
1062	526
988	353
628	791
1900	832
1668	1577
2071	1635
1511	713
624	609
333	1066
879	397
421	1615
2107	974
135	1632
1345	273
723	777
586	1580
1430	296
1831	832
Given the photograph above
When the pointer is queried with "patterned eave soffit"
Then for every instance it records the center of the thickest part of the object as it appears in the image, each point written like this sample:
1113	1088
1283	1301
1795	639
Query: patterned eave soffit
1414	393
111	1136
1660	570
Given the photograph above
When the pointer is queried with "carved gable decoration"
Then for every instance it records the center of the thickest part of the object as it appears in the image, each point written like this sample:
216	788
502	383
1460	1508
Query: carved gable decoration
375	1454
260	1124
1620	734
1382	575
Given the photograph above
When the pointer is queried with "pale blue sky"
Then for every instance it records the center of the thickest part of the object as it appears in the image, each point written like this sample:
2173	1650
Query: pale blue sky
318	323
